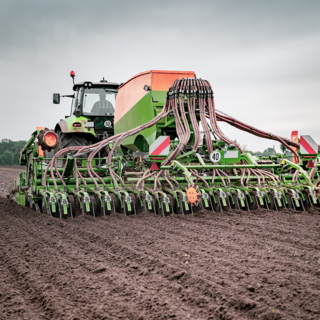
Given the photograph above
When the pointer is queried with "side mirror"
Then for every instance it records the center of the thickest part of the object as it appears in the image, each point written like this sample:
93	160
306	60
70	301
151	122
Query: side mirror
56	98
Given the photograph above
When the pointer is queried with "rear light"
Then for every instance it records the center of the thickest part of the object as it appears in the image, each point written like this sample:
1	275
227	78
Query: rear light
77	124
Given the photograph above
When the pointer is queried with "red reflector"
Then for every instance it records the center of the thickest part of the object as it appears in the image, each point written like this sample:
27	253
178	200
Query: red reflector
77	124
72	74
310	164
154	167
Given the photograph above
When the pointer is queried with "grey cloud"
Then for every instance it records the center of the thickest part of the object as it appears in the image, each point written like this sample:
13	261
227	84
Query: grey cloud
260	56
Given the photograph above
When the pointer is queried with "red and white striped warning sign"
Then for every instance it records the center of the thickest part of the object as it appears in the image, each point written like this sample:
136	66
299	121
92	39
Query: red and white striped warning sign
160	147
308	146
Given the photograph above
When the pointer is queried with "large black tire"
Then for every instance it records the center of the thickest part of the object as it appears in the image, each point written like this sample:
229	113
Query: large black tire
71	140
74	139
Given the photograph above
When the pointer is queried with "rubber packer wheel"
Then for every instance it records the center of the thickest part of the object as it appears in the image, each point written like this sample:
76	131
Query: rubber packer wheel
271	204
215	204
307	203
289	204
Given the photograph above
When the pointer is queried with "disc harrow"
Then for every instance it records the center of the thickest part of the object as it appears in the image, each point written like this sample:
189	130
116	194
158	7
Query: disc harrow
202	170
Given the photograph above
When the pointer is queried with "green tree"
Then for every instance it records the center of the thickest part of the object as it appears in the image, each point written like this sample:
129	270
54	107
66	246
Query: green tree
10	151
283	149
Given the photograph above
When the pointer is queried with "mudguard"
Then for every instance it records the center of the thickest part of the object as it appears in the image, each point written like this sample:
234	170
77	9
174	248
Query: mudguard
67	125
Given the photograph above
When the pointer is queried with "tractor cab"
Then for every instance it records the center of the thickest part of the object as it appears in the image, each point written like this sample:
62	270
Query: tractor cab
92	110
96	102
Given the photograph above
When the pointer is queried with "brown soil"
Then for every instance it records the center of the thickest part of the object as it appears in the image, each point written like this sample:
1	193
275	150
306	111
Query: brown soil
213	265
7	176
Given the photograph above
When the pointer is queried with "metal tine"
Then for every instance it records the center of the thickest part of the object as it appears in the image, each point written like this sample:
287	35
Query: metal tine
71	210
162	209
124	207
134	209
228	202
302	204
104	208
284	203
265	199
191	208
181	207
93	209
114	207
257	201
310	199
294	207
154	207
201	204
211	204
237	202
220	204
172	207
60	211
274	201
82	208
49	210
247	204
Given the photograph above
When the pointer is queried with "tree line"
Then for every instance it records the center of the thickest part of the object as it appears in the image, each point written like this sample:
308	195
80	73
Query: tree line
9	151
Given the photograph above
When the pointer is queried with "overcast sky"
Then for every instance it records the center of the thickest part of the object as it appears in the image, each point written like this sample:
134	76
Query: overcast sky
261	57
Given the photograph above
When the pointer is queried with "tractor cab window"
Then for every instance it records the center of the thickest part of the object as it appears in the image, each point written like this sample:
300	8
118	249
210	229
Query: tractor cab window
98	101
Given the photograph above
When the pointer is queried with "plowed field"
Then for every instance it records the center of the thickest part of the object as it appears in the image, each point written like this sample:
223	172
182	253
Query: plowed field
213	265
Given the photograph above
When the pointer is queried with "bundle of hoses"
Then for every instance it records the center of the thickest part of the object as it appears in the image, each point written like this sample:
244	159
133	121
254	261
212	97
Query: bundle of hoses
259	133
196	96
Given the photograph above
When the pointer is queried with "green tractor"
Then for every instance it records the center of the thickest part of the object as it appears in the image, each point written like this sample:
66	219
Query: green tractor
91	118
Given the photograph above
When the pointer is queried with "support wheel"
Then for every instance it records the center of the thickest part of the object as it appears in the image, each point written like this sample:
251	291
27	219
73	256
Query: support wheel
254	204
289	204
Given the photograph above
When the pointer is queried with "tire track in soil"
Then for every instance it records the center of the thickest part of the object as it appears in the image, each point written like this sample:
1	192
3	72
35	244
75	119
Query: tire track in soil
146	239
16	301
91	268
198	299
90	226
278	235
172	274
285	280
167	286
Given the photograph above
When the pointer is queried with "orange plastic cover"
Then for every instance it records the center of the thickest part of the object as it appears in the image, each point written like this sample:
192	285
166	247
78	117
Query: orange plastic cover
132	91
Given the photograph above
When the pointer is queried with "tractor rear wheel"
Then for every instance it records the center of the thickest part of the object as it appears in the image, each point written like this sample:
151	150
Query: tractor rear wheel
67	140
73	139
